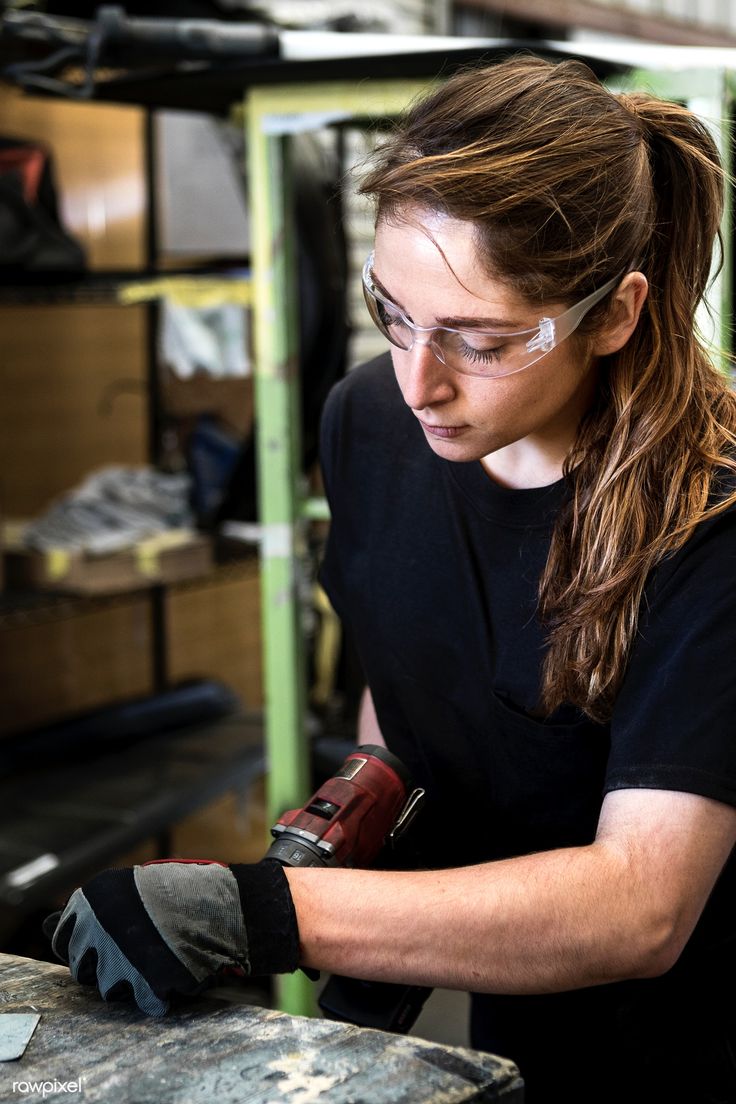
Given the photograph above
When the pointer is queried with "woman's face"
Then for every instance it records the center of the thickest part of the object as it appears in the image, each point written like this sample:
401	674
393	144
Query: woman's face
519	426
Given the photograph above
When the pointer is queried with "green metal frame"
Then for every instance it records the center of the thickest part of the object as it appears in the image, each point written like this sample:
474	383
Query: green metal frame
271	114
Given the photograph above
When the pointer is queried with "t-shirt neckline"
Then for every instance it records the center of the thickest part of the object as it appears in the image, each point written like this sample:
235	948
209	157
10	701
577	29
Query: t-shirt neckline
530	507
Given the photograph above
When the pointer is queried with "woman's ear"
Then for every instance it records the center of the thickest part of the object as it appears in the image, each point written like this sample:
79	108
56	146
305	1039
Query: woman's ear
628	299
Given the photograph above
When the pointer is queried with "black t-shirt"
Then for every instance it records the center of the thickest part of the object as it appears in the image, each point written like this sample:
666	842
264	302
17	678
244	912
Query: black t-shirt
435	569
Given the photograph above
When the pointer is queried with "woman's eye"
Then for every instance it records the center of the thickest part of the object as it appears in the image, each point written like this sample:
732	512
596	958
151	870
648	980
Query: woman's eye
475	355
388	316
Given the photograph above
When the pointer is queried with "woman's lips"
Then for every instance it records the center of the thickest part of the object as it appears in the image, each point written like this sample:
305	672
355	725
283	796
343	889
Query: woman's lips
442	431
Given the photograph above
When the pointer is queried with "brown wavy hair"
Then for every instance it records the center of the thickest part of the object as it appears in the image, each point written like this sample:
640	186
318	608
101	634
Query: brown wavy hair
568	185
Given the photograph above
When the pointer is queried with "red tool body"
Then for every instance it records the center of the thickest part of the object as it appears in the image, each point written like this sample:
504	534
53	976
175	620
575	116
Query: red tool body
347	821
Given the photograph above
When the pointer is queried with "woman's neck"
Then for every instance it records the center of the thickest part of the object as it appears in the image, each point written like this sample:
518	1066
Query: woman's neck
521	468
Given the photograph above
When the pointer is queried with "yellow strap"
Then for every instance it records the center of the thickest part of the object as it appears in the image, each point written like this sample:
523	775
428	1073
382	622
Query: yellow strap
58	562
188	291
327	648
148	552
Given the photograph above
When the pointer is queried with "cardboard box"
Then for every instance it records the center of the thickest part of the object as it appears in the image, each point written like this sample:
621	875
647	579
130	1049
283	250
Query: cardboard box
166	558
73	654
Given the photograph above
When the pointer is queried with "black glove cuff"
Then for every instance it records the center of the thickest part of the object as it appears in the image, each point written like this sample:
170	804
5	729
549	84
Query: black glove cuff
270	917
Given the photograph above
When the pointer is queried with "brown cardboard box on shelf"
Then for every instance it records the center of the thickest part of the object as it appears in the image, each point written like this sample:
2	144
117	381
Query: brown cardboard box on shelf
169	557
230	400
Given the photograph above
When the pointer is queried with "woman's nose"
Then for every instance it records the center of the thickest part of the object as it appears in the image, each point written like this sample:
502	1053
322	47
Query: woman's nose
423	378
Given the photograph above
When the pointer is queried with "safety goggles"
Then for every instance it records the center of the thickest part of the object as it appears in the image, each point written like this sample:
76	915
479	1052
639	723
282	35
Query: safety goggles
486	353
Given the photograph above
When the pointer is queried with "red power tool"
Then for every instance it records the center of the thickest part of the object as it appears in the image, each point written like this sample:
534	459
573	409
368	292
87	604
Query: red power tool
351	816
346	823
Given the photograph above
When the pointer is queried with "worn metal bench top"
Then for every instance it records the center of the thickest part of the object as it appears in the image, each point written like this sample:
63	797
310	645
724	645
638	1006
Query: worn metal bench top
213	1052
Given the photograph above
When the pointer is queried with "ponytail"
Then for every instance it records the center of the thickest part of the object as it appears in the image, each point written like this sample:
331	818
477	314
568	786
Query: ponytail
687	184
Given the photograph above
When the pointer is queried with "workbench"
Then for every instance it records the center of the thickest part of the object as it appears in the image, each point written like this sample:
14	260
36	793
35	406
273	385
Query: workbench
218	1052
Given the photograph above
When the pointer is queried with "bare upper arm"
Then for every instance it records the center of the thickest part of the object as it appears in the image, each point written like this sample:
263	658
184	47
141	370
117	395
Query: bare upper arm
675	845
368	730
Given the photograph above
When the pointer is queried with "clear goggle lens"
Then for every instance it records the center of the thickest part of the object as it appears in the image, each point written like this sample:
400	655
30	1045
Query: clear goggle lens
477	352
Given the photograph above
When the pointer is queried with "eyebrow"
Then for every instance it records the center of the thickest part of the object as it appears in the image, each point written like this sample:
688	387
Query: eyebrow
455	323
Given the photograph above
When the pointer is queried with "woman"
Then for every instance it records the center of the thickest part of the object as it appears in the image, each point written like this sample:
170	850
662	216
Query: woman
533	543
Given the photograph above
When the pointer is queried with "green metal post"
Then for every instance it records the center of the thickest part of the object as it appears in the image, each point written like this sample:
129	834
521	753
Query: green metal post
727	280
278	453
271	114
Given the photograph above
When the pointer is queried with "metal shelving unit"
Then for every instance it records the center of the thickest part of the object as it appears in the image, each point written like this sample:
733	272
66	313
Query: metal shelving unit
126	288
271	115
146	288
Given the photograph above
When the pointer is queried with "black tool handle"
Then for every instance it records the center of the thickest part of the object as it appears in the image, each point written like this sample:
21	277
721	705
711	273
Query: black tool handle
377	1004
191	38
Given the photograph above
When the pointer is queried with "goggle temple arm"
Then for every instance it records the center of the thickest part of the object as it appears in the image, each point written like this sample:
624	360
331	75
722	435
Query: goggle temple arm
552	331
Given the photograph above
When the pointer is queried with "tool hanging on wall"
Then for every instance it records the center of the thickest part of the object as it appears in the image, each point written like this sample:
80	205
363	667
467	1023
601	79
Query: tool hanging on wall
114	39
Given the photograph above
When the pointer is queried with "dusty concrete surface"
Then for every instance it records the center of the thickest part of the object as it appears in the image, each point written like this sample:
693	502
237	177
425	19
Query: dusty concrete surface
224	1054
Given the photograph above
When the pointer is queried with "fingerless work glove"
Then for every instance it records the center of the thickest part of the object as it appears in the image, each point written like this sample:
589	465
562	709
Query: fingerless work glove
172	927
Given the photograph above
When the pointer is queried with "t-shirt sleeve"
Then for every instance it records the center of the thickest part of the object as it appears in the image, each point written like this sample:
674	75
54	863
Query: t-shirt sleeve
674	723
357	419
329	572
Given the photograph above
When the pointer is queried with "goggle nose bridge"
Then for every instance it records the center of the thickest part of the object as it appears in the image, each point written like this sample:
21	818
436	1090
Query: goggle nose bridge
432	341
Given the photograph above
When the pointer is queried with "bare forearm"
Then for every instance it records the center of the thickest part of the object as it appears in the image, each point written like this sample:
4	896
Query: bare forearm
541	923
